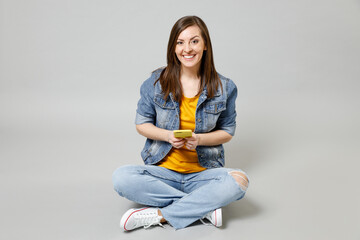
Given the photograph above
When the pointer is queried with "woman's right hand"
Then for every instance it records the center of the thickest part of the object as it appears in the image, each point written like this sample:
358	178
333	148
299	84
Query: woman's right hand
175	142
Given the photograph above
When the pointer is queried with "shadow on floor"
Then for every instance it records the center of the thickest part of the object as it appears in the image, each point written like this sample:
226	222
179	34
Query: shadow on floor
243	209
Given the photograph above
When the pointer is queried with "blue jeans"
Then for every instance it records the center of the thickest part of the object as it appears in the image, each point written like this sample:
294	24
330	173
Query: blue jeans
181	198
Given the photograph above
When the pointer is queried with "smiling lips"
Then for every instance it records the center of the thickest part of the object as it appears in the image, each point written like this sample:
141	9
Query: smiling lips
189	56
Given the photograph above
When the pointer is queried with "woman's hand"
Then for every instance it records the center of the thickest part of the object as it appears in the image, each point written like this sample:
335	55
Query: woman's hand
175	142
192	142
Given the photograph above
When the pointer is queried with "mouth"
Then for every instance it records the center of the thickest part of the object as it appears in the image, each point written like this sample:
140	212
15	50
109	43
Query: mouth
189	57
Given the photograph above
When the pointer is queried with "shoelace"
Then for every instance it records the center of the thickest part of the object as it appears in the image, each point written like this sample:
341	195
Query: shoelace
203	222
206	217
148	219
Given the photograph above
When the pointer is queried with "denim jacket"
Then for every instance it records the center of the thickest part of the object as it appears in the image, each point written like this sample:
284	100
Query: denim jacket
217	113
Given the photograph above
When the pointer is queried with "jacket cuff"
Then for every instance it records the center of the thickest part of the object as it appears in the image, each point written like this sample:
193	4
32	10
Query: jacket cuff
140	119
230	130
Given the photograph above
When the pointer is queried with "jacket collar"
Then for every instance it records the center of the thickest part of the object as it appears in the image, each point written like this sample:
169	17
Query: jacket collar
158	91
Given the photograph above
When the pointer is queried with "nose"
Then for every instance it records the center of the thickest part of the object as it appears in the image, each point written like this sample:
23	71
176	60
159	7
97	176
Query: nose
187	47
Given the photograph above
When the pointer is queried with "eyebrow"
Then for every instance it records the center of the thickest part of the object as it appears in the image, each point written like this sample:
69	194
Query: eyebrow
190	38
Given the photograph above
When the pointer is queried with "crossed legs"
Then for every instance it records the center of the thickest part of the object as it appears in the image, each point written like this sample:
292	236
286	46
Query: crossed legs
181	198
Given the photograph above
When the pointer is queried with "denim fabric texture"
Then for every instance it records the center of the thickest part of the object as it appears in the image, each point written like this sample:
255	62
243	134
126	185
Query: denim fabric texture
182	198
217	113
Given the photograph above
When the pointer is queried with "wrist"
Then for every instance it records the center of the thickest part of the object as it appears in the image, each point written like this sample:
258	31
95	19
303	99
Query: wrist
167	136
198	139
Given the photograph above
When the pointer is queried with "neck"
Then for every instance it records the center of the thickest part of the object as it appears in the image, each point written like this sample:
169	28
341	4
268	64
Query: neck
189	73
190	82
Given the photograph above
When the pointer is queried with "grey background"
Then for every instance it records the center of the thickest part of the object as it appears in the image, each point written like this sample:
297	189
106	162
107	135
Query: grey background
70	73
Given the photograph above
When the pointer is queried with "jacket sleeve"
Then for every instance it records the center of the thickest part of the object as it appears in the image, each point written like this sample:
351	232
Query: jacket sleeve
227	118
145	112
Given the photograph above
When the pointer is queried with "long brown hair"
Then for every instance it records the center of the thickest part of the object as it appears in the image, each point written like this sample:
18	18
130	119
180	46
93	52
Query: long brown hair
170	76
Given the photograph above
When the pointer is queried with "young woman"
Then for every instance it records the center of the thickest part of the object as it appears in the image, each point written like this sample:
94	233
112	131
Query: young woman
183	179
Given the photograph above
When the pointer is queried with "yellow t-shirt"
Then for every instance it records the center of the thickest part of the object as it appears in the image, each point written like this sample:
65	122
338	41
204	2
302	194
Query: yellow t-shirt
184	160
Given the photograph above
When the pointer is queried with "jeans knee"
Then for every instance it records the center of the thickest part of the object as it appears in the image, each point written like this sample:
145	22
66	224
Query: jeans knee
241	179
120	177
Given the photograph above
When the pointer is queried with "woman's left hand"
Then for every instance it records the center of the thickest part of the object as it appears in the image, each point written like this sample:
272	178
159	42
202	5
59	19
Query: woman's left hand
192	142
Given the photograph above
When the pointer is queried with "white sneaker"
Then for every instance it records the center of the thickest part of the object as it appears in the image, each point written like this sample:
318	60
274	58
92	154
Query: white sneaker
140	217
215	217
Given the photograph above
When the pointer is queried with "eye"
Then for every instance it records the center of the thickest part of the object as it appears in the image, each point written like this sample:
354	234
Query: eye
195	41
179	43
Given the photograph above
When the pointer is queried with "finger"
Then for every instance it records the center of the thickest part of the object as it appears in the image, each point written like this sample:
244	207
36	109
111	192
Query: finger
190	139
179	146
177	139
179	143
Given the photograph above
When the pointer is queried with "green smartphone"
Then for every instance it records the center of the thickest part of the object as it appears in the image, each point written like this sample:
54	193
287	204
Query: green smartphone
182	133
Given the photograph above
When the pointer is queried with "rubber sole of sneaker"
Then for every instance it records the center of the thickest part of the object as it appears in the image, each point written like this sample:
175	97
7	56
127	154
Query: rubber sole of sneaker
126	217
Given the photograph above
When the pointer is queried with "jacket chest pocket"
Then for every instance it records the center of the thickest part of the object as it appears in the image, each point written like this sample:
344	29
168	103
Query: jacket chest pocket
212	112
165	112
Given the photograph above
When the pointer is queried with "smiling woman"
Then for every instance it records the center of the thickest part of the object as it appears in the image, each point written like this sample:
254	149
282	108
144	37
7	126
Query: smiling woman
190	62
183	179
189	48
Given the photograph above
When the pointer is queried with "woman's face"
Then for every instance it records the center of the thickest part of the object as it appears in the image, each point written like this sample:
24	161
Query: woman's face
189	48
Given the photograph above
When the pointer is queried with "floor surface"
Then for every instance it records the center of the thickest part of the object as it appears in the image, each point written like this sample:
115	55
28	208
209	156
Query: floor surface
59	187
